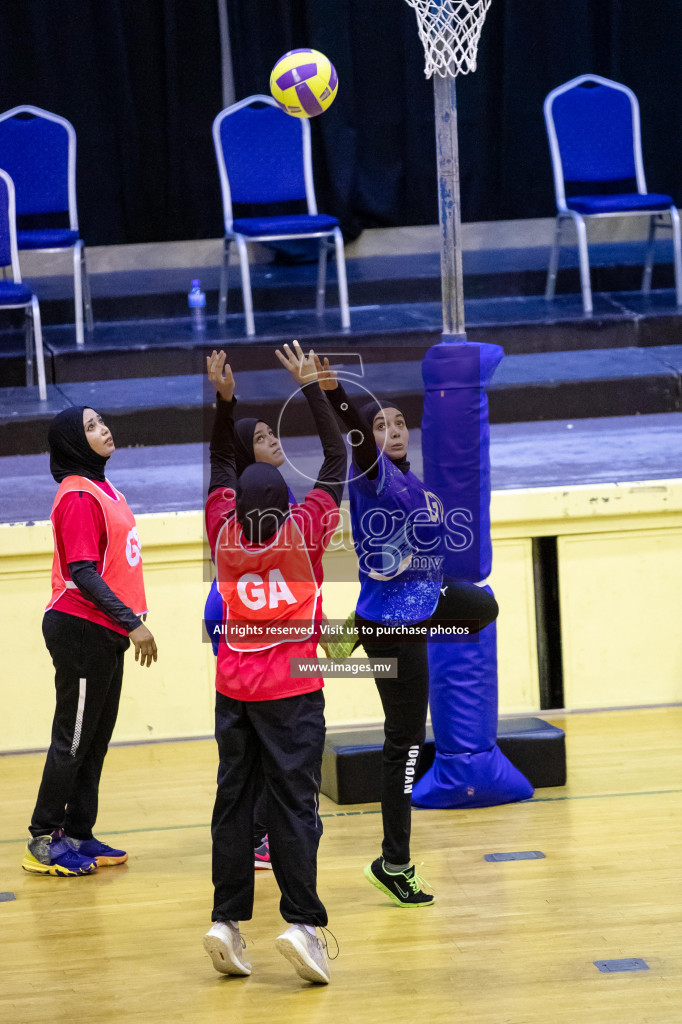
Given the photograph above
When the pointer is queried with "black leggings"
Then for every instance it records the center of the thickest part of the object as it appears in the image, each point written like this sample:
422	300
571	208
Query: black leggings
88	662
405	701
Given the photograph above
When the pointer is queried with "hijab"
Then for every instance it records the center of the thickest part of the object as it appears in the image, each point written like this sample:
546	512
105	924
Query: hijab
70	451
262	501
243	442
244	430
369	411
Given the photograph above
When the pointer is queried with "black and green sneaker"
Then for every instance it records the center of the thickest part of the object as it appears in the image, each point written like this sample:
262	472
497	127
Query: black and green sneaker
343	645
405	887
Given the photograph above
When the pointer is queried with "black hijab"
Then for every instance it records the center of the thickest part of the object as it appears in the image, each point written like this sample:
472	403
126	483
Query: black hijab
70	452
262	501
243	441
369	411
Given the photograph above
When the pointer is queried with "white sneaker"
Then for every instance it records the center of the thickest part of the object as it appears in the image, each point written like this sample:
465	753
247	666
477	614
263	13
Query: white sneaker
305	952
224	945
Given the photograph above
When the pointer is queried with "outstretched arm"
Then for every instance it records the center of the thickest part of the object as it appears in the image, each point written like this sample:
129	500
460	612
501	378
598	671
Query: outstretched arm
332	472
221	447
365	451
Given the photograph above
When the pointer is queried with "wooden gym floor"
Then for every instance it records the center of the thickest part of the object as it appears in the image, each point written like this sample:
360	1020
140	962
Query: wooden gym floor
506	943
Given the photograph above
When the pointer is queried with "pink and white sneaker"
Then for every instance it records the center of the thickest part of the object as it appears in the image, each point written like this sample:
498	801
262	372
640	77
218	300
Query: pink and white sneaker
261	856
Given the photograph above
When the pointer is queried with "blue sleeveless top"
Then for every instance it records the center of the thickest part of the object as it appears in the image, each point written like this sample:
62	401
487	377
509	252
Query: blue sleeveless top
397	532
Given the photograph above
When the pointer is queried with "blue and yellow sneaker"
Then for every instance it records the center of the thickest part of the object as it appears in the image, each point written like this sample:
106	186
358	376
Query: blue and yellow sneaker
104	856
403	887
54	855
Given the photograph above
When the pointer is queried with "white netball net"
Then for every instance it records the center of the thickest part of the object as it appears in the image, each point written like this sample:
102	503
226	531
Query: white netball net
450	31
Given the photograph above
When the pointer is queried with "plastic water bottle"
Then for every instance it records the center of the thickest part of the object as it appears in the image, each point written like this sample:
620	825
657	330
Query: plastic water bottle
196	300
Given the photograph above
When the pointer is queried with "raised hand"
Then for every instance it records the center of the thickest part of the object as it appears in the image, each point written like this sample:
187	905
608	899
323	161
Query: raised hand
220	374
326	378
300	366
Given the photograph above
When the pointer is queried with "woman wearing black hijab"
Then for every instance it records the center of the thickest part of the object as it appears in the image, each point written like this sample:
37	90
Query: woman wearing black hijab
255	443
95	611
269	724
397	531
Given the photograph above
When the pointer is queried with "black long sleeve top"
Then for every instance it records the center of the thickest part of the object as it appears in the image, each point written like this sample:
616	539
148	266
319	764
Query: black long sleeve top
365	451
221	447
93	588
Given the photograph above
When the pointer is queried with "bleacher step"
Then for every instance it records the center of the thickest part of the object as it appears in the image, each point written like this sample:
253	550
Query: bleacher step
542	386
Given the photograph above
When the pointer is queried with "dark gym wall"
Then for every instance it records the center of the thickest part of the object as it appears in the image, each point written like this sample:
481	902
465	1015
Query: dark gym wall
141	83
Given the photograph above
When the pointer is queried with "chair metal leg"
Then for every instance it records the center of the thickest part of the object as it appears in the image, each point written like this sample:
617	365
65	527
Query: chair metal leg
341	278
28	336
677	252
224	281
40	356
246	285
552	270
649	259
583	253
87	295
78	292
321	275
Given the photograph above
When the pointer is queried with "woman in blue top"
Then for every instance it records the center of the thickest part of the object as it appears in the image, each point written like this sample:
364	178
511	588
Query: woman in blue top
397	531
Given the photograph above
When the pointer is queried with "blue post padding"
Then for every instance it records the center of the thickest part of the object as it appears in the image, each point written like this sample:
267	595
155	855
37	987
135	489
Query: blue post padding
469	769
460	690
456	449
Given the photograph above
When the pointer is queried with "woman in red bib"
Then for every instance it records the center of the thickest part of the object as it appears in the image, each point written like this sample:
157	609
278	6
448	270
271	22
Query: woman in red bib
269	723
96	609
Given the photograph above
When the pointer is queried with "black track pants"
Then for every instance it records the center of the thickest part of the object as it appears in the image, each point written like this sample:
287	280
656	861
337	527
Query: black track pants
88	662
280	743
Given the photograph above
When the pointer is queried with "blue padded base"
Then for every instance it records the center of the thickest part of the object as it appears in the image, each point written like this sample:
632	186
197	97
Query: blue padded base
351	764
483	779
293	224
624	202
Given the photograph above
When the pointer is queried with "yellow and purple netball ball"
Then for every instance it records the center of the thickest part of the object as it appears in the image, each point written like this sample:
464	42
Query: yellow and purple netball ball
304	83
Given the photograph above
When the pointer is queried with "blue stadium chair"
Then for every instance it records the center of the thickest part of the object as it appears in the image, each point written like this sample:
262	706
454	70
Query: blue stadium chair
593	127
264	156
38	150
14	294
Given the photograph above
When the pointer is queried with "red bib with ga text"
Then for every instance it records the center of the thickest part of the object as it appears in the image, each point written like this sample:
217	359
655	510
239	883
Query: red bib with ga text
270	590
122	562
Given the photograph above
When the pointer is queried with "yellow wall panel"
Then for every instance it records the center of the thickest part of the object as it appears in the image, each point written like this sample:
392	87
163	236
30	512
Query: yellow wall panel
620	549
175	696
620	618
517	658
26	673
